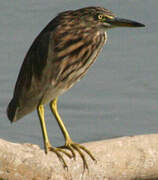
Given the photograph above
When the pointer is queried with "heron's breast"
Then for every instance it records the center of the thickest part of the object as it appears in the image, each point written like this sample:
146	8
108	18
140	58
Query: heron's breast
73	67
73	72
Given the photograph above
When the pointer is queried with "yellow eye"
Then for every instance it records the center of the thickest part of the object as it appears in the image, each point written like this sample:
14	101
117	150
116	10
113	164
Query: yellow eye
100	16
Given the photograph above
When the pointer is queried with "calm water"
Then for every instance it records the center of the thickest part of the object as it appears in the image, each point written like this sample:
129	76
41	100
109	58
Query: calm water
119	95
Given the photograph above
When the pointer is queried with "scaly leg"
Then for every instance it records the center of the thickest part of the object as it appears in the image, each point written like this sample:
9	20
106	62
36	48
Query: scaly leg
47	145
69	144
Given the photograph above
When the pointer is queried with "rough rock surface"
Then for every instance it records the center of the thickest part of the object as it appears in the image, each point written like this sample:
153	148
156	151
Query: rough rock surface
126	158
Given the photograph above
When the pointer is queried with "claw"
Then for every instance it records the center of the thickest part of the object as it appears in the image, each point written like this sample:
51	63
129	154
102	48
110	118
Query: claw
57	152
87	151
76	147
63	151
71	146
67	146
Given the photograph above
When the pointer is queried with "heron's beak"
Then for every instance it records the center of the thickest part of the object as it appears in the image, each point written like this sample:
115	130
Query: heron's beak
119	22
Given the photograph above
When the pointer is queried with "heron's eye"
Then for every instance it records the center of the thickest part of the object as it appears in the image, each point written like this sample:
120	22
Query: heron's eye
100	16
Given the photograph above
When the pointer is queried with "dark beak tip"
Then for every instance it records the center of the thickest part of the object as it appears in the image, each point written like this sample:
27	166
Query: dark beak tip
126	23
139	25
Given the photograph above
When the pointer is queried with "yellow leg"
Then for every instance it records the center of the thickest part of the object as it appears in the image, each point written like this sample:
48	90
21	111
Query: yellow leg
53	106
47	145
40	110
69	144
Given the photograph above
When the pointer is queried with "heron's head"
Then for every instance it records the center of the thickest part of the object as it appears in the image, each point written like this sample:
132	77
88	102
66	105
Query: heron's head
97	17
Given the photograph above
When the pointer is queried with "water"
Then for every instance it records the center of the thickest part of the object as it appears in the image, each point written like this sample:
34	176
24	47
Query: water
117	97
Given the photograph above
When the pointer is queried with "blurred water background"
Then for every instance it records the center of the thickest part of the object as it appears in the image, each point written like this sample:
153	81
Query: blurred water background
119	94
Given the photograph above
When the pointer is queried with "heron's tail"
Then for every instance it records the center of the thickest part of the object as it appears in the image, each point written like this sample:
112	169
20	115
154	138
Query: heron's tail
12	110
16	111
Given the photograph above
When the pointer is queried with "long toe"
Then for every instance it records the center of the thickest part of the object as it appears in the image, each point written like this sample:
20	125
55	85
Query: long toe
58	152
72	146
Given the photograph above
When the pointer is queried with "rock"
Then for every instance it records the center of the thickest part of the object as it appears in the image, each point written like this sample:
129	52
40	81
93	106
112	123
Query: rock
126	158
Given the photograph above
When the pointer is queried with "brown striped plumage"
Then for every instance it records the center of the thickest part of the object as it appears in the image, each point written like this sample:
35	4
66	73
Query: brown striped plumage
58	58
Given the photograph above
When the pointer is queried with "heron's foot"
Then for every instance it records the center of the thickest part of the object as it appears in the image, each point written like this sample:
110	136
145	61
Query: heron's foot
72	146
58	152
